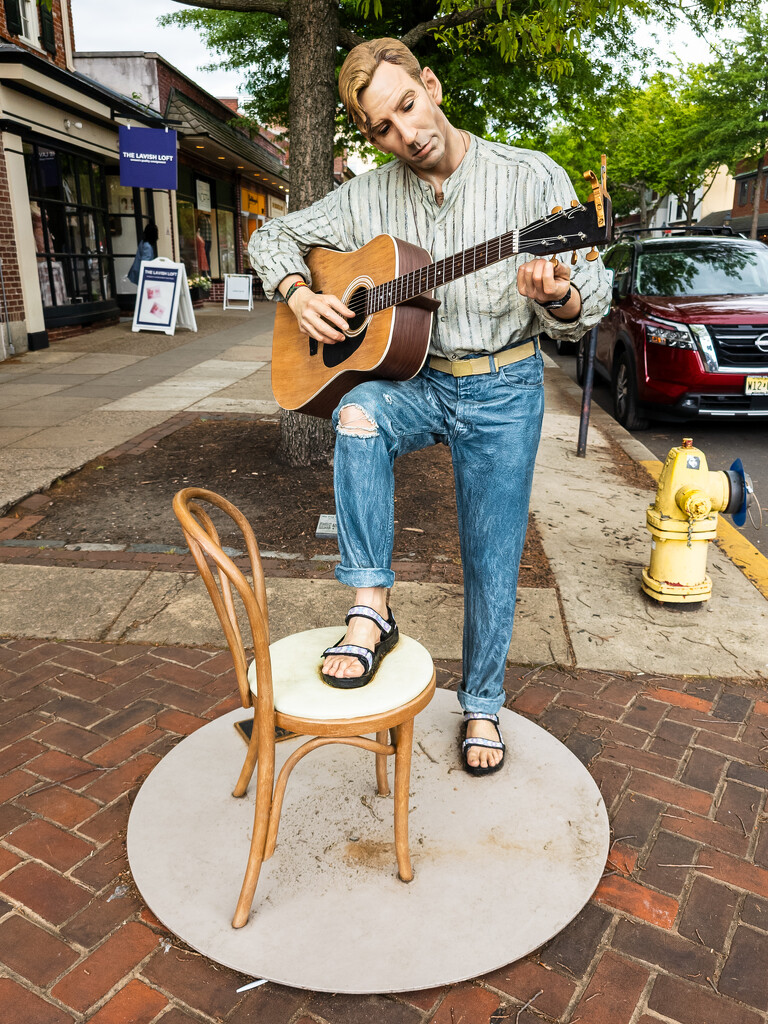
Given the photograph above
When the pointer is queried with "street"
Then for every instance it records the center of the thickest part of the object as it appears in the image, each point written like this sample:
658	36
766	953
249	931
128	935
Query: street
721	440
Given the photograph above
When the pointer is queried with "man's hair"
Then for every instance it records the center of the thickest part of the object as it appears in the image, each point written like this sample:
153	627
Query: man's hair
357	71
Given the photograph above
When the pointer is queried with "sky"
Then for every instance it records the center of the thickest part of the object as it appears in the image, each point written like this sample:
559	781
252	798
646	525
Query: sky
182	47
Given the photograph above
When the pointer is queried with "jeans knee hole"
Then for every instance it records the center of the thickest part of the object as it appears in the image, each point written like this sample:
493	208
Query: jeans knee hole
354	421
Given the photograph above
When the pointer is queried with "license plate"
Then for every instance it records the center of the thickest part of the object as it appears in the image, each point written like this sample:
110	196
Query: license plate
756	386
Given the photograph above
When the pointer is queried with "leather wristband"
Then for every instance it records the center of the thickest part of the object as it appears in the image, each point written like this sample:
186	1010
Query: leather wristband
557	303
294	286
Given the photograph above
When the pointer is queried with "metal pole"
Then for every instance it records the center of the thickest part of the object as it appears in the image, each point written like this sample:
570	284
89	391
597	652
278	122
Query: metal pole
586	399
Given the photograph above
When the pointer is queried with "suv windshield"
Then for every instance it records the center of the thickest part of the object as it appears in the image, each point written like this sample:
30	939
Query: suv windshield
698	268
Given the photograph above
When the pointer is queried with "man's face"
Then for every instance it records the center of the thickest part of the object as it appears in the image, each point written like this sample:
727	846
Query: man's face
405	116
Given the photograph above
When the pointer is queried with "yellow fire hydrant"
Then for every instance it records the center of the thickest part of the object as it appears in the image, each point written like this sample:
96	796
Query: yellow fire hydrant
683	519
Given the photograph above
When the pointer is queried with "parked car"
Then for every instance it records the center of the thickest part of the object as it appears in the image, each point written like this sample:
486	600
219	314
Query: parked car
687	332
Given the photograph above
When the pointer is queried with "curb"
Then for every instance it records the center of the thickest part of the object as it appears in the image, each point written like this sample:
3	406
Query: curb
751	562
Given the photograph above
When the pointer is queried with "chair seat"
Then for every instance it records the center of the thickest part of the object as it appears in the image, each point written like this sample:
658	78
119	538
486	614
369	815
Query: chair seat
300	691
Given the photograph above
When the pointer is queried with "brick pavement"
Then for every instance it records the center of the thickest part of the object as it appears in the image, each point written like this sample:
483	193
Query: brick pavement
676	931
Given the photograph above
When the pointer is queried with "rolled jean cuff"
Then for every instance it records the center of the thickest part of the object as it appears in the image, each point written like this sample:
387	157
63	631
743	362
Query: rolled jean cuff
488	705
359	578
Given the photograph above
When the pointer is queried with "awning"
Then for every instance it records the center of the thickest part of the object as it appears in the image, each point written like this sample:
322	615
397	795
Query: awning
740	225
222	142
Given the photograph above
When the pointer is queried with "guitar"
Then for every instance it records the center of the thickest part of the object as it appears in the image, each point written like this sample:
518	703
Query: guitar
389	285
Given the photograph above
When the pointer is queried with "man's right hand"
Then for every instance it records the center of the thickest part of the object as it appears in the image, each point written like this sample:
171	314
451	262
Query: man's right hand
319	316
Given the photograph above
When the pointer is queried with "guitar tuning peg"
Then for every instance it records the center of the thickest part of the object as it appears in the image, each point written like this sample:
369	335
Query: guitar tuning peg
557	209
574	202
592	254
574	258
554	261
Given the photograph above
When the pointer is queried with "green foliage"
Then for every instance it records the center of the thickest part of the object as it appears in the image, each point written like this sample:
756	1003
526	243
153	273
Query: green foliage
729	99
496	86
644	130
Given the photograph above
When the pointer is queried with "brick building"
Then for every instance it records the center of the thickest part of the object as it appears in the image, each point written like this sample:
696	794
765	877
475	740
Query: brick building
230	181
63	215
743	201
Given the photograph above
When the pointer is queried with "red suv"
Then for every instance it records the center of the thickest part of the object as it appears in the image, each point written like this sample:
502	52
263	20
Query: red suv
687	331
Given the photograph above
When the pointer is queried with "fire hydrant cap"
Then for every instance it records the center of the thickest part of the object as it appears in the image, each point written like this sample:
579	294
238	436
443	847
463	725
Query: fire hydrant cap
693	502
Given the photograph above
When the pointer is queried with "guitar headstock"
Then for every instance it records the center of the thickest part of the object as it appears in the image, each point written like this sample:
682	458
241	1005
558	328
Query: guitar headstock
580	225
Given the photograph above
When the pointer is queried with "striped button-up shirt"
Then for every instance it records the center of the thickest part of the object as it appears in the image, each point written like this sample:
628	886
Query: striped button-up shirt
494	190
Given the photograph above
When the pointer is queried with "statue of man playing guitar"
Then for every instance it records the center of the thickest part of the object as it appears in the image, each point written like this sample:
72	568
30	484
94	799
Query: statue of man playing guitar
480	389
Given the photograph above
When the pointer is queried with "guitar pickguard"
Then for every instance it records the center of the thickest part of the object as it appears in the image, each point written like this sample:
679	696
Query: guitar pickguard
334	355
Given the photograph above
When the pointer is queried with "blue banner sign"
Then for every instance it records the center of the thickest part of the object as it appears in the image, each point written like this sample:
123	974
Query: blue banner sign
148	158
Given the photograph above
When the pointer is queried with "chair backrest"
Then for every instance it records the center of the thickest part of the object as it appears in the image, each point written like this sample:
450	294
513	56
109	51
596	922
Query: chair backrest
204	545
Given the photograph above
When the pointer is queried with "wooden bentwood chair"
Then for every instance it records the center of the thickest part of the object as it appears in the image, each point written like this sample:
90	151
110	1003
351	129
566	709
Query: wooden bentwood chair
284	687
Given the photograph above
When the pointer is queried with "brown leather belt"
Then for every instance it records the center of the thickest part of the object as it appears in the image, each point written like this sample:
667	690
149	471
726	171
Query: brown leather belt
483	364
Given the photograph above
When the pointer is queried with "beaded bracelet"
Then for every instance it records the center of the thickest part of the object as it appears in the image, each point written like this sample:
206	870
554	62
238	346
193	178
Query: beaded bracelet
294	286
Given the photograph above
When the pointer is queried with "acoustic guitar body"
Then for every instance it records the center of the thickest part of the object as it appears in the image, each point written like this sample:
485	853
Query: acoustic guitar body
392	344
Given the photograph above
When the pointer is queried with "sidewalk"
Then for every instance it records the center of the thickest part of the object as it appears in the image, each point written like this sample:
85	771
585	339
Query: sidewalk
105	669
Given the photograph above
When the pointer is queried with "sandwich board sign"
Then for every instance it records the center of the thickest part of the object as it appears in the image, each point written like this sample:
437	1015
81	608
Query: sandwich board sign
163	300
238	291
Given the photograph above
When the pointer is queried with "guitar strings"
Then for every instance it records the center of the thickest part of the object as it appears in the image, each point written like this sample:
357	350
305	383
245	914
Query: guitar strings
361	303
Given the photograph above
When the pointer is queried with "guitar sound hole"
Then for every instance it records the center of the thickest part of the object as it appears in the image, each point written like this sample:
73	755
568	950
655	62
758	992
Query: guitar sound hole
333	355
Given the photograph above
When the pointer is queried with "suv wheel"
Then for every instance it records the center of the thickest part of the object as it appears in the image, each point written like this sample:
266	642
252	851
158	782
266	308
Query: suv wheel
624	389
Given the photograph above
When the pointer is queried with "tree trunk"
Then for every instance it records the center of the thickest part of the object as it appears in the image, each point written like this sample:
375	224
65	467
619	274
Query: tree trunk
643	207
756	200
313	27
690	207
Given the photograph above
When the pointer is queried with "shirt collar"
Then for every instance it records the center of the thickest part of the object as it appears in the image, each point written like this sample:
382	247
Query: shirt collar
452	182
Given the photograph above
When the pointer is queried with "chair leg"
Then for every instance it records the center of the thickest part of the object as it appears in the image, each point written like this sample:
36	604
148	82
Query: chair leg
251	757
264	783
403	747
382	782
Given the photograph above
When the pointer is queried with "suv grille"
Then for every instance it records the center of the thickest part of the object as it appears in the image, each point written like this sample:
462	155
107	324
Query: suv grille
735	346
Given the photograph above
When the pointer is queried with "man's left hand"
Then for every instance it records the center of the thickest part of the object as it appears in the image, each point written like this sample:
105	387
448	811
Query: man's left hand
542	281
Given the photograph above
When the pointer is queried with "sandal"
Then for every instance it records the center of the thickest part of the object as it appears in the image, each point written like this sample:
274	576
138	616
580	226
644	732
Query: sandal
479	741
370	660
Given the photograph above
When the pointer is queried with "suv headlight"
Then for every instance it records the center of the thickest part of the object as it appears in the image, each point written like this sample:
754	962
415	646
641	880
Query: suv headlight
672	337
706	348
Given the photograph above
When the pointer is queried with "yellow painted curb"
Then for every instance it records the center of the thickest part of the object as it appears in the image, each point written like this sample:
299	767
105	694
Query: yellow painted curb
742	553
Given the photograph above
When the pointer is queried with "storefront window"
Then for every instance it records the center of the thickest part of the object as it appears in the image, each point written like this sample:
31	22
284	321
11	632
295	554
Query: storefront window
227	253
68	208
185	210
206	216
254	210
130	210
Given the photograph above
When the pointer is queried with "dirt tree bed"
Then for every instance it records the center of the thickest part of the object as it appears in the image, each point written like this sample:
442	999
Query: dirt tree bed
127	500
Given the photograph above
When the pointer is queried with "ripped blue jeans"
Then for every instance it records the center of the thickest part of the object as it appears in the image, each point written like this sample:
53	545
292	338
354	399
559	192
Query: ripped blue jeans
492	424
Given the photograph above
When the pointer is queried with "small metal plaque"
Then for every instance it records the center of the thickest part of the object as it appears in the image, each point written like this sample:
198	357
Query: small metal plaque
326	528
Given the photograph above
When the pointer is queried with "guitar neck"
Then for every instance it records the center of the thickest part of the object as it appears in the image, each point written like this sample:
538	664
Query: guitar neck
579	226
426	279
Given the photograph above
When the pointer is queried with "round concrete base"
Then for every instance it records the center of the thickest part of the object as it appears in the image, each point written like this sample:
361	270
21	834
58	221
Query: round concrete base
521	851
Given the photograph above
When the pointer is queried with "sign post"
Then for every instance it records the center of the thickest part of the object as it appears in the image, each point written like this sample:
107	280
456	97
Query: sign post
163	298
238	291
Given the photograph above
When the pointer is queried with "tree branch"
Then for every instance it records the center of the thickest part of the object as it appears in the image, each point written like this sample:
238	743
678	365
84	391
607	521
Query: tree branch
277	7
346	38
447	21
